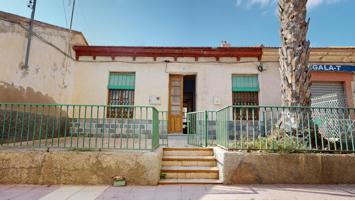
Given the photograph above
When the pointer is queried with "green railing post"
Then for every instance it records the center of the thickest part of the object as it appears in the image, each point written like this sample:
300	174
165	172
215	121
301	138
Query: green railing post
155	128
188	127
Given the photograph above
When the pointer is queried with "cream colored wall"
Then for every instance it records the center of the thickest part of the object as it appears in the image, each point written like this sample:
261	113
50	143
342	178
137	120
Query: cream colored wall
49	78
92	79
152	79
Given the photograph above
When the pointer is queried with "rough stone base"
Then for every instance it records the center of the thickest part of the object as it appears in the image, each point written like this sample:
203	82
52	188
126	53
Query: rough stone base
272	168
73	167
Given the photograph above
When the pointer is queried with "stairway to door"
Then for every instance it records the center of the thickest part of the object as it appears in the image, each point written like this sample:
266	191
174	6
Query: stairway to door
189	166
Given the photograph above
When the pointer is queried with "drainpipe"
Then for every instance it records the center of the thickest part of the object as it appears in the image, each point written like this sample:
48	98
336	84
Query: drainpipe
29	34
72	15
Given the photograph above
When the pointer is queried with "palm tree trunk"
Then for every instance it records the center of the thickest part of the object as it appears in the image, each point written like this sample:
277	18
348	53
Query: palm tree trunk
294	53
294	56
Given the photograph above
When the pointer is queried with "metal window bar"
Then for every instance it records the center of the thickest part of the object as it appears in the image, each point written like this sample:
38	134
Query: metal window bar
120	97
245	98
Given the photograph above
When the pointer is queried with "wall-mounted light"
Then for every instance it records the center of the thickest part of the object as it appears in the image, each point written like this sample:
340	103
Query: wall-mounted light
260	67
166	65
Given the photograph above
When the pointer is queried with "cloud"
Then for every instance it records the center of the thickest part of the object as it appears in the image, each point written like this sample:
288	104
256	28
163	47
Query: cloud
269	3
252	3
314	3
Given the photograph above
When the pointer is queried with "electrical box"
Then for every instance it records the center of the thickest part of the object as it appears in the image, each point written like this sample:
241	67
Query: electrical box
154	100
216	100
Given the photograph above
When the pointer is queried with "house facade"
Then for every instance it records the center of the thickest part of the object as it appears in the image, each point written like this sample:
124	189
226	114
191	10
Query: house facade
65	69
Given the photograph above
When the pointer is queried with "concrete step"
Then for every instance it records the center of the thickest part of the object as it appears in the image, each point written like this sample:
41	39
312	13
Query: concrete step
201	163
192	175
189	166
188	152
193	169
188	158
190	172
189	181
187	149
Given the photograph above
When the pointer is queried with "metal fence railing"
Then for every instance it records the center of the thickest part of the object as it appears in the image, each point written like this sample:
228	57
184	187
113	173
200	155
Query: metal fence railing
286	128
201	128
163	128
81	126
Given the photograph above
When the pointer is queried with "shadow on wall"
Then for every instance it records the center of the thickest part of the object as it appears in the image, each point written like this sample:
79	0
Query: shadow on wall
28	123
17	94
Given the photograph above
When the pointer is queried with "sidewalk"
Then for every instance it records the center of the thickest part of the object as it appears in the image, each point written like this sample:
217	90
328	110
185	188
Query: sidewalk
178	192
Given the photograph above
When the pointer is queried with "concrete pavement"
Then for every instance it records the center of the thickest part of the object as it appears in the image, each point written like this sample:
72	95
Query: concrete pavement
178	192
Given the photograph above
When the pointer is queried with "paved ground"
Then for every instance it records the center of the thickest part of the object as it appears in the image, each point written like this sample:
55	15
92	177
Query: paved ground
175	140
179	192
178	140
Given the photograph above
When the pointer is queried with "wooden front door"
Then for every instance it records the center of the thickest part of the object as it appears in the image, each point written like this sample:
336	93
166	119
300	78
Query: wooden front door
175	103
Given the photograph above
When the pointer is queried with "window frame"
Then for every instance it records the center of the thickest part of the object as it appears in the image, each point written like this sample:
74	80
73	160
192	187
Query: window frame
237	112
130	112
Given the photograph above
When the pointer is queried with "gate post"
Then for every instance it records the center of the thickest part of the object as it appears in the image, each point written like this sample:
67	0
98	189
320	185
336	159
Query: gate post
188	127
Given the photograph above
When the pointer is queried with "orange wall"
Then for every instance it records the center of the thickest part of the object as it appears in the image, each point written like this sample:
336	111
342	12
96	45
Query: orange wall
346	78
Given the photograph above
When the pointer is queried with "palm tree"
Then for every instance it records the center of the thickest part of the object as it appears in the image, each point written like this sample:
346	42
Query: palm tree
294	56
294	53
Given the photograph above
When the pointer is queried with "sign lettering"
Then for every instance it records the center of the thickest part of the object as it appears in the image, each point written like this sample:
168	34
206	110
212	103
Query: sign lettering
332	68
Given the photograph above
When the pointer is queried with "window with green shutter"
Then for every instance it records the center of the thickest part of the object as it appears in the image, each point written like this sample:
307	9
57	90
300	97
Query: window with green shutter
122	81
121	92
245	83
245	89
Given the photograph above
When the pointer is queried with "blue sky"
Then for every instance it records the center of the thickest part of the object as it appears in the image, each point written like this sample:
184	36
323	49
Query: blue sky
191	22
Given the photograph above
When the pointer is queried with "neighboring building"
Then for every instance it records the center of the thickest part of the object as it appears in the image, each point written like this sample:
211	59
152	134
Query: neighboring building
332	74
174	79
50	76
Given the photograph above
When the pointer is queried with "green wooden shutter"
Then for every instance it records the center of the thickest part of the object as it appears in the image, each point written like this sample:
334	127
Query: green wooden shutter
123	81
245	83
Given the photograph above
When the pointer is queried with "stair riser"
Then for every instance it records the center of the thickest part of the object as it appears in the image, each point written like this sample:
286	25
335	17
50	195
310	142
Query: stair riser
189	181
188	153
173	175
190	163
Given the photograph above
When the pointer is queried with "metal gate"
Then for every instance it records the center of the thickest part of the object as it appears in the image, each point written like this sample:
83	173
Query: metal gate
201	128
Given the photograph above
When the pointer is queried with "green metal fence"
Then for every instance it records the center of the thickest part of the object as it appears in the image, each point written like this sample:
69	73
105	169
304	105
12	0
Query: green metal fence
80	126
201	128
163	127
286	128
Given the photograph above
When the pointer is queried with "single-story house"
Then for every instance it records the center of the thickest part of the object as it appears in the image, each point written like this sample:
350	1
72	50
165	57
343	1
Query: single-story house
64	68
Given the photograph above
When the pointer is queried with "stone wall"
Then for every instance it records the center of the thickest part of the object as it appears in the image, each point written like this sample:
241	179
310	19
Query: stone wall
73	167
273	168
